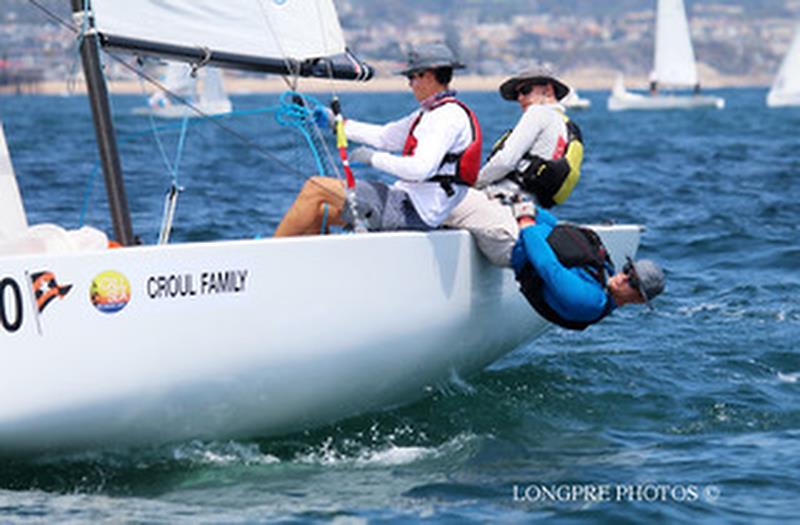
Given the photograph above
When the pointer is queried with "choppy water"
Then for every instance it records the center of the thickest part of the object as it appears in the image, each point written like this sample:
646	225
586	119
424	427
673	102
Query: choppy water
686	414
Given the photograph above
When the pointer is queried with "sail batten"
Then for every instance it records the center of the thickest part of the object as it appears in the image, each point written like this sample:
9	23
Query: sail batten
674	56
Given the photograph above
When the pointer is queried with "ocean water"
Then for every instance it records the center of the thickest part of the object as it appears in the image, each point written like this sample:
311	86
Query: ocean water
687	414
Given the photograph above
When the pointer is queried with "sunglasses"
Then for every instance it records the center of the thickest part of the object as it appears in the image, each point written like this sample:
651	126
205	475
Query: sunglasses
633	277
414	75
525	90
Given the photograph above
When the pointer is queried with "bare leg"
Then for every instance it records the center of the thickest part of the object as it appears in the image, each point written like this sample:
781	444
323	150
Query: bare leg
305	214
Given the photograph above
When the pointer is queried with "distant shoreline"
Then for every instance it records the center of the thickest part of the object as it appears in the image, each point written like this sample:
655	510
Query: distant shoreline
590	80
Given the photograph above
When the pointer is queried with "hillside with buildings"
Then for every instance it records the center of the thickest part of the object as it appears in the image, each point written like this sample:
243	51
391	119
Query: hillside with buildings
737	42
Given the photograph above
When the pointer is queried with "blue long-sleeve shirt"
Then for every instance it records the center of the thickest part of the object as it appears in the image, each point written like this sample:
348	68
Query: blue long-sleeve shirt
572	292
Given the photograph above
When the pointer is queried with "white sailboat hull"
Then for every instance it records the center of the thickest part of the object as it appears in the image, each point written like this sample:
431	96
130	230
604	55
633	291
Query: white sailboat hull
578	103
635	101
248	338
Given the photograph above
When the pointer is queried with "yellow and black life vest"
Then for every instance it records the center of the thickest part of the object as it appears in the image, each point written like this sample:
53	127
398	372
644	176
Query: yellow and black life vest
553	180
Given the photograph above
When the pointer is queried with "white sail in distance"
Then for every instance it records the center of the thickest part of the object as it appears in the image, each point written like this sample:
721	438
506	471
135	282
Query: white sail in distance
213	90
786	87
293	29
674	63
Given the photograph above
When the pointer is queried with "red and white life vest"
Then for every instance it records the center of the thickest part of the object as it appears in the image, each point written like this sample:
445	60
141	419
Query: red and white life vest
468	162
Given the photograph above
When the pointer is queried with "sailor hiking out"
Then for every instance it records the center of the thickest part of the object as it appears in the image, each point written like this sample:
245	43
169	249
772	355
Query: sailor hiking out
566	275
435	153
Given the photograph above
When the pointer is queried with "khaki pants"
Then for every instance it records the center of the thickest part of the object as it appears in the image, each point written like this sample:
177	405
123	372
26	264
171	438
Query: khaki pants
491	224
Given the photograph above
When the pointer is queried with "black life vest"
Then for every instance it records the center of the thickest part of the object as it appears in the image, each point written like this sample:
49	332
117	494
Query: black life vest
575	247
468	162
550	180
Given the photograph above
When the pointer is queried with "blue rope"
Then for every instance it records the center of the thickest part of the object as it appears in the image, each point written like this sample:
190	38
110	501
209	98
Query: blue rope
294	110
324	219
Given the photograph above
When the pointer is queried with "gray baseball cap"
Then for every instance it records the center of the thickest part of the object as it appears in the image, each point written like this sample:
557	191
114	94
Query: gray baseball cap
648	275
430	56
539	74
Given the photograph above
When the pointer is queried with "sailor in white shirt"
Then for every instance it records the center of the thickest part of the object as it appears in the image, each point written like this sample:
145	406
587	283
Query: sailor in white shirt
428	144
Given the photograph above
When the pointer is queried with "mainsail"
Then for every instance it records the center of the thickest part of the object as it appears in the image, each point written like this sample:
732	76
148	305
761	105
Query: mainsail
273	36
786	88
674	57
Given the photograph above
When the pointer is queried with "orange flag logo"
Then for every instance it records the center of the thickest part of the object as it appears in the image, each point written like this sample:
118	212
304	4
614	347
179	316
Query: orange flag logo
45	289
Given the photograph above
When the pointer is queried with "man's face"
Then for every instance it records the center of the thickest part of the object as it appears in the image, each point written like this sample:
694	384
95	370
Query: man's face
423	84
622	290
529	94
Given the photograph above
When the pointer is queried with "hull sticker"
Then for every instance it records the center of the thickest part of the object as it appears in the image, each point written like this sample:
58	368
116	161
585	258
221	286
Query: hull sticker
110	292
46	289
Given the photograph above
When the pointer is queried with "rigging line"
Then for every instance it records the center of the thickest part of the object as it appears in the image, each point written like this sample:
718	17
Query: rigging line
324	35
247	141
332	84
295	75
157	136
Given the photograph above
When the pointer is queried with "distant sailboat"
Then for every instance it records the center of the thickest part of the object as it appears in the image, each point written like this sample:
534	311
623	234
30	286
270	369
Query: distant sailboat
786	87
574	101
205	92
674	67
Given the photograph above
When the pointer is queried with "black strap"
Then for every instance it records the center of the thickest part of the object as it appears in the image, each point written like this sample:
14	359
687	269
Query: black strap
446	182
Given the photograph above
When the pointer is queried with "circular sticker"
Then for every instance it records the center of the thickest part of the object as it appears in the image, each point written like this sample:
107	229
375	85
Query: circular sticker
110	292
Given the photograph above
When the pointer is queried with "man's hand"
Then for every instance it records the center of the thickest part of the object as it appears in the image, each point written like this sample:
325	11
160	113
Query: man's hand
523	210
323	117
362	154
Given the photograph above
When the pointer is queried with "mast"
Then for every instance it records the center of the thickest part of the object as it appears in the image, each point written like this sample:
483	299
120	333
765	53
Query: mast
104	130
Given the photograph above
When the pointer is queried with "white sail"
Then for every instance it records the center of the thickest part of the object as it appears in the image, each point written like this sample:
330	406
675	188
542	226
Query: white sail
674	57
786	87
178	79
12	212
295	29
213	92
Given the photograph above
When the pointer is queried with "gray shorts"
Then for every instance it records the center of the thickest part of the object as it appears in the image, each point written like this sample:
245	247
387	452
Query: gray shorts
384	208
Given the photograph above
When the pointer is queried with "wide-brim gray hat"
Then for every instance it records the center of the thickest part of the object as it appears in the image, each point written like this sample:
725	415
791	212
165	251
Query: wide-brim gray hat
540	74
430	56
650	277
